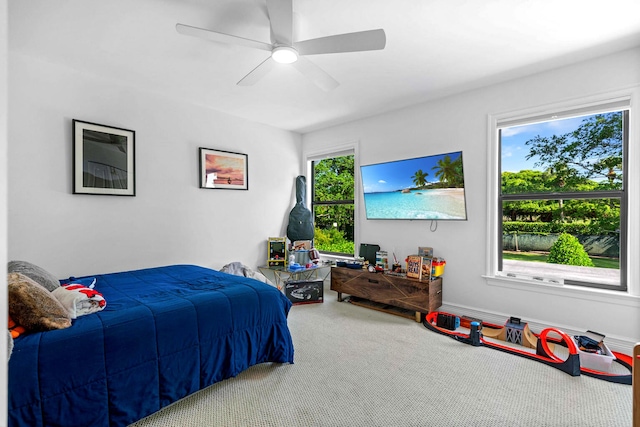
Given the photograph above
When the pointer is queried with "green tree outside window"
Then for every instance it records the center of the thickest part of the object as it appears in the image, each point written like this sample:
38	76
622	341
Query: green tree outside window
333	204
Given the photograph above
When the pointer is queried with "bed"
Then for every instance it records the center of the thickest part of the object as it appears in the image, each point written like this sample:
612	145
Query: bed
164	333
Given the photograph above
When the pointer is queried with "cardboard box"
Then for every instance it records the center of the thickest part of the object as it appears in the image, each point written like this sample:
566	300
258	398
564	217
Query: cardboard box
302	245
304	291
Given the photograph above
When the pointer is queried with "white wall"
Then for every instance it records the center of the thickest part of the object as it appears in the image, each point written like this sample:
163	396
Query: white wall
460	123
3	211
170	220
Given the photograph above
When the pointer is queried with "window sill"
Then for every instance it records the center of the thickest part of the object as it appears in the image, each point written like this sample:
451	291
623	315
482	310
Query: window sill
559	289
336	257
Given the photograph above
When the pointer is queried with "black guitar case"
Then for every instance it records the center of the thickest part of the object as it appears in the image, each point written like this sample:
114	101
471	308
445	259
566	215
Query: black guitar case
300	218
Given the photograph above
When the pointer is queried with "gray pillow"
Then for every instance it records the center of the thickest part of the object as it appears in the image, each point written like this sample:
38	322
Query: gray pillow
35	273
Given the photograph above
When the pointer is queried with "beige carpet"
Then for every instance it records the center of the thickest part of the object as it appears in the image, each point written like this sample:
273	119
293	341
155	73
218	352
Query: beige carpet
359	367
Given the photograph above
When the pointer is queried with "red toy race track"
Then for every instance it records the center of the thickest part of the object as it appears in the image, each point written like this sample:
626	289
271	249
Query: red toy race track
481	333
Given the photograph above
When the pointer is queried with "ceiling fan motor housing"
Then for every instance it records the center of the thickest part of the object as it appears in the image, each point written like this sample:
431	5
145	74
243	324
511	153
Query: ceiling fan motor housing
284	54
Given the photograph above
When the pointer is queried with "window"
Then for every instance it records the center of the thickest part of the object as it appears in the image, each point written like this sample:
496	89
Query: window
562	196
332	203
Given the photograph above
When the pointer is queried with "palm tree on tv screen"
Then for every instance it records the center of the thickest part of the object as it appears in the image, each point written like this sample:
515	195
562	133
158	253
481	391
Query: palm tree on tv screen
420	178
449	172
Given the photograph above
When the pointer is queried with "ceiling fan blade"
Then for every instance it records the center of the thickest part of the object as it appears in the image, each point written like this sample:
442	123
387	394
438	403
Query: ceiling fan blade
221	37
281	18
316	74
350	42
257	73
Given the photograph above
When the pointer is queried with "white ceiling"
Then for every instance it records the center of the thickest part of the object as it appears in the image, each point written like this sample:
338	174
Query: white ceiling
434	48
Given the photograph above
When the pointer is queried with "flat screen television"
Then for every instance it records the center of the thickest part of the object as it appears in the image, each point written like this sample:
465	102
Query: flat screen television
430	187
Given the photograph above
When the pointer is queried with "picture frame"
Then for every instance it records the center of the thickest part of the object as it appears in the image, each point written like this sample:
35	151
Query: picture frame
223	170
103	159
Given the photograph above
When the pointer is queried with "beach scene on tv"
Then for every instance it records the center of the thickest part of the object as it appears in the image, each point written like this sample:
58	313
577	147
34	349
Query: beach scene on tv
430	187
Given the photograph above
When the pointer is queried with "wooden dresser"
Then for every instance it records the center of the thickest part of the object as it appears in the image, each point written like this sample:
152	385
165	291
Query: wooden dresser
387	290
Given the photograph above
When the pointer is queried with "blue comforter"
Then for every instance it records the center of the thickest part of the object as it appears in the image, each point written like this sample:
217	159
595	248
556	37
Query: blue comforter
165	333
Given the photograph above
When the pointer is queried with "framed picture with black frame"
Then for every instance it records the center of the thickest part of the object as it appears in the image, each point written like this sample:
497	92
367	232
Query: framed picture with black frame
223	170
103	160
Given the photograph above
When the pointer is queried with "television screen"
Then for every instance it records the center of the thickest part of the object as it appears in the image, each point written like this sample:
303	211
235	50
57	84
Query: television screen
430	187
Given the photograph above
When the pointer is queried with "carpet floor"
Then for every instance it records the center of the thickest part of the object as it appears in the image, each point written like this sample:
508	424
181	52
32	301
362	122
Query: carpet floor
359	367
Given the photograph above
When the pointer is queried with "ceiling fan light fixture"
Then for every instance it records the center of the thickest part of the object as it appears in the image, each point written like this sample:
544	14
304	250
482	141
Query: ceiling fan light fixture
284	55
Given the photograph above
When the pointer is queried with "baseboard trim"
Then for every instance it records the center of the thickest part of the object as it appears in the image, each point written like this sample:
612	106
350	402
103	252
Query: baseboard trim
618	344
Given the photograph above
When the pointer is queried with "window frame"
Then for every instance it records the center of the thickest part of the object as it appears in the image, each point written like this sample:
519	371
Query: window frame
619	100
350	202
577	195
329	151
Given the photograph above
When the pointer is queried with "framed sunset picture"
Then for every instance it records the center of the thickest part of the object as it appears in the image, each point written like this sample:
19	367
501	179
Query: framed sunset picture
223	170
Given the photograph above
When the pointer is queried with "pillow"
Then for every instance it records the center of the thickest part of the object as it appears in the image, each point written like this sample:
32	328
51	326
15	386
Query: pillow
9	345
78	299
37	274
33	307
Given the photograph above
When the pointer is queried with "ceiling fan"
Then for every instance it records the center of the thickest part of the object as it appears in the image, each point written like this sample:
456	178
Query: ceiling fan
284	50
